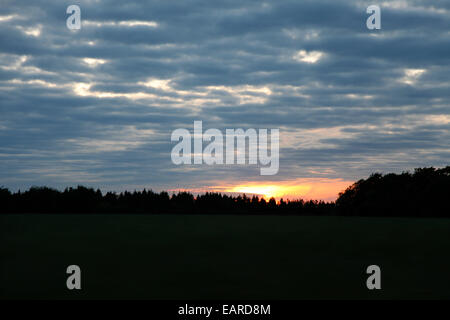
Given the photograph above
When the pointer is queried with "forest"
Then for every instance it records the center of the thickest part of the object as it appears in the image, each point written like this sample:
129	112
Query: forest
422	193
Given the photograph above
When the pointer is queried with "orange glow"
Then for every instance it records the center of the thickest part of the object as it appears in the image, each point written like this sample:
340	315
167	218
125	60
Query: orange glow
304	188
269	191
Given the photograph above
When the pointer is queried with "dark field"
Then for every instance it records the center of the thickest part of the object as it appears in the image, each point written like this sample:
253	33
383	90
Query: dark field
222	257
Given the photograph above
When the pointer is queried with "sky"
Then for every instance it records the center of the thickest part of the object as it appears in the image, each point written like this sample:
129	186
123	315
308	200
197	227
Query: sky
97	106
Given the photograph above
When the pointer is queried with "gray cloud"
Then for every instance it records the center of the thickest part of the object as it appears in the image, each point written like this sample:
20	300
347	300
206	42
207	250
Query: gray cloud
97	106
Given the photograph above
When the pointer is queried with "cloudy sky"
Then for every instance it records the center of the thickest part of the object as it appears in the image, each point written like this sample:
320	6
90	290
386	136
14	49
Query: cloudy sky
97	106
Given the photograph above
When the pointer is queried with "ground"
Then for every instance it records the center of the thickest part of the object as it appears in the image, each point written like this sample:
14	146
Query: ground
222	257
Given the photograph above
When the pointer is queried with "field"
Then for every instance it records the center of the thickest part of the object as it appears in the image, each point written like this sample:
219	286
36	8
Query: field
222	257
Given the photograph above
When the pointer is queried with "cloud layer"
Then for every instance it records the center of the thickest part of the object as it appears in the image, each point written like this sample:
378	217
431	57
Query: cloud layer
97	106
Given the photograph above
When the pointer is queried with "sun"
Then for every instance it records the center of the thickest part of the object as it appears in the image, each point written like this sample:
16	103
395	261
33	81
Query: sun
268	191
325	189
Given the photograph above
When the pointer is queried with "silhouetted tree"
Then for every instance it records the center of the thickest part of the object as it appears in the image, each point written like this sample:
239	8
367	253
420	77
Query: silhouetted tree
423	193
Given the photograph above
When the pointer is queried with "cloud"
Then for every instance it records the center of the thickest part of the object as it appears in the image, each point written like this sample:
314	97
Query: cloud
98	105
308	57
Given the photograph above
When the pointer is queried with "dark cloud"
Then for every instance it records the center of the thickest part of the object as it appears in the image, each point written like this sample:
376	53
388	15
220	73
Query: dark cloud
97	106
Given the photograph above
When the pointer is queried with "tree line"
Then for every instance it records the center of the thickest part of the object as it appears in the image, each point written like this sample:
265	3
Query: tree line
423	193
88	200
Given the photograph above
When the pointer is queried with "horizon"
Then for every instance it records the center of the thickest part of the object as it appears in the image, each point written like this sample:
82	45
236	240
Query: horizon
265	191
261	191
97	106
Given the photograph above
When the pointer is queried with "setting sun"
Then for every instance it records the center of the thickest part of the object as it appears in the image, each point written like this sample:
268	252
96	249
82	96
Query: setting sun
304	188
269	191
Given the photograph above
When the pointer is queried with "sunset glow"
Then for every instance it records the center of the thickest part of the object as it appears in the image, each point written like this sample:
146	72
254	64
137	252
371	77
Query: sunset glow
305	188
269	191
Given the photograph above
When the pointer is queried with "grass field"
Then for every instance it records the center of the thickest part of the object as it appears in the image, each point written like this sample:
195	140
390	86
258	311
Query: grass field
221	257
